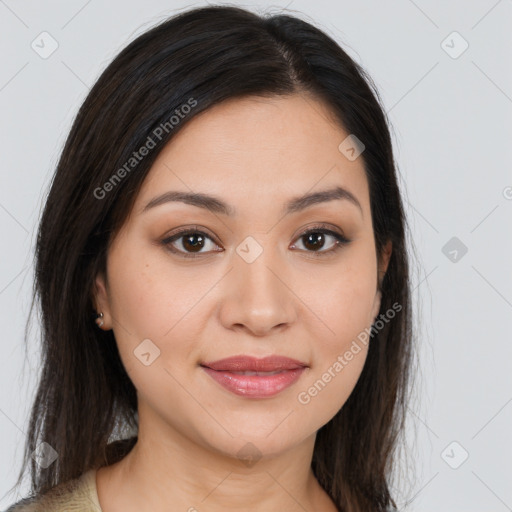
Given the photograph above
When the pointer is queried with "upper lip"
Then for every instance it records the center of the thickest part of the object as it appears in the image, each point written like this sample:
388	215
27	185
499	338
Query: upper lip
242	363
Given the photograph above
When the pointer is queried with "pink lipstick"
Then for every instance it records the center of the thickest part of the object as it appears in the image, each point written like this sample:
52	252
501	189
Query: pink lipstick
255	378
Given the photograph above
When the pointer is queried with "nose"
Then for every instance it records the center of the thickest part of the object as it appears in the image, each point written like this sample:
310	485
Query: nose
257	297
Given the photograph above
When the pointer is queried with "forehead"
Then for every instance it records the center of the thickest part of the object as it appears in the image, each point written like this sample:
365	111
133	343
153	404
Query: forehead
254	148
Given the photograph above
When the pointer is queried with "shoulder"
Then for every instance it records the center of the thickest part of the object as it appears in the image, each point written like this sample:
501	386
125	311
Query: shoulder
78	495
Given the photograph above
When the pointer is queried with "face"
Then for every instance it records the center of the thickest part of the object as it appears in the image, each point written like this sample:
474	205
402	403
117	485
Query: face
186	284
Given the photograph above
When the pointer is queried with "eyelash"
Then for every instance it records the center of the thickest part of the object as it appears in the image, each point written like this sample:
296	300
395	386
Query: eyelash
321	228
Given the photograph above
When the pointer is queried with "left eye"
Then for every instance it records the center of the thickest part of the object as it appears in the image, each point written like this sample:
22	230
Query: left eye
316	238
193	241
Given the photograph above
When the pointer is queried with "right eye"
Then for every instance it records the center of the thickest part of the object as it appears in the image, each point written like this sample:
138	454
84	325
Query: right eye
189	239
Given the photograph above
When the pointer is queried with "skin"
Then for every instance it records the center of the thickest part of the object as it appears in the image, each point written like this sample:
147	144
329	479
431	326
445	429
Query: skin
286	302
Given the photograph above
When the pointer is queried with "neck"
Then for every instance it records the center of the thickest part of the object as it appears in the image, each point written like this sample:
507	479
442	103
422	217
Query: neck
163	471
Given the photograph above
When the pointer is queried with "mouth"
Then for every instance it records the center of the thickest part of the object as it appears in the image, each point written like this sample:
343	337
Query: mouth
246	363
255	378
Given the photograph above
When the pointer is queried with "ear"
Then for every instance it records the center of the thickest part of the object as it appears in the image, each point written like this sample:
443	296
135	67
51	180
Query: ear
381	269
101	301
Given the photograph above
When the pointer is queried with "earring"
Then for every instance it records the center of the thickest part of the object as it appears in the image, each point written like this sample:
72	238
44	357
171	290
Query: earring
99	319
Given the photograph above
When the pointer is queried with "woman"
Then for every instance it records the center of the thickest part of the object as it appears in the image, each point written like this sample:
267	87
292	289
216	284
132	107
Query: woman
223	280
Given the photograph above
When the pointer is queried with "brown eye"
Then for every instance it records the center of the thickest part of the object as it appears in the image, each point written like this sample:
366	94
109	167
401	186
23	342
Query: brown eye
193	242
189	243
315	239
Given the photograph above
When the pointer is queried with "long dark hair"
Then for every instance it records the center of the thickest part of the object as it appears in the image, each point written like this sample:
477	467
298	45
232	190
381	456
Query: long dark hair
85	401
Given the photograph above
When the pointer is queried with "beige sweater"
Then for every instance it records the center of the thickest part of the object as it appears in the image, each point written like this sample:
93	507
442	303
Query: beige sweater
79	495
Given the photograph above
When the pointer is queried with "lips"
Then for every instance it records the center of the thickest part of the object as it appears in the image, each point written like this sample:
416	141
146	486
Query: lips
251	377
252	364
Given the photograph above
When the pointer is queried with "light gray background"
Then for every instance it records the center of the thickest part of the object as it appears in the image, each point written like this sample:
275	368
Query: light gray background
451	122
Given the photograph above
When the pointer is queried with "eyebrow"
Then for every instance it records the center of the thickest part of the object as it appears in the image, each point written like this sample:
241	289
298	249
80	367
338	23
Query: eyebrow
216	205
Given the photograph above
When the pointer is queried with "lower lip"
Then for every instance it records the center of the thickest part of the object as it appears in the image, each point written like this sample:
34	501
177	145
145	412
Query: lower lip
255	386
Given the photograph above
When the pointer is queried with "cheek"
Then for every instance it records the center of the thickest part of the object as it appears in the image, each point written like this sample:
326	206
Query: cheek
148	296
330	385
152	300
149	302
345	301
349	311
339	355
344	308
